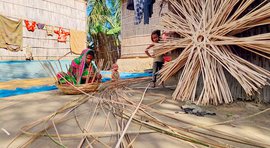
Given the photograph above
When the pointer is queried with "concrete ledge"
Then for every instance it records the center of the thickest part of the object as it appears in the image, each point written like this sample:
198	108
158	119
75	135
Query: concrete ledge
134	64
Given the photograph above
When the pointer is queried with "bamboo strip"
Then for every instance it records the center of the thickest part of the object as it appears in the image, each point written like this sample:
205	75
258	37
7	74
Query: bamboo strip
131	117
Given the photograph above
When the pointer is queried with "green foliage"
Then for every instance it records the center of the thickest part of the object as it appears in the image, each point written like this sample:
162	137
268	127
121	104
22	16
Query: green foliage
101	16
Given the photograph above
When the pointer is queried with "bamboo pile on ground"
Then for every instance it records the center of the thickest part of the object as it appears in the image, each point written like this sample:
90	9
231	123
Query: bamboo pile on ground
119	107
208	29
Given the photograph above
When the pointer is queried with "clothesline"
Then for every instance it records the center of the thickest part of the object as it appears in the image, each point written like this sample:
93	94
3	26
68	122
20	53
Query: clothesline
62	34
41	9
22	18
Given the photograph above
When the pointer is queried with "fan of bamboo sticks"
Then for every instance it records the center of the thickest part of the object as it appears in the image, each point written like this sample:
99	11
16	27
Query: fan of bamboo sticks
208	31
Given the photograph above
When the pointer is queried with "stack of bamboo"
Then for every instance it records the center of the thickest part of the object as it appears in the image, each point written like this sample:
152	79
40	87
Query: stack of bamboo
208	29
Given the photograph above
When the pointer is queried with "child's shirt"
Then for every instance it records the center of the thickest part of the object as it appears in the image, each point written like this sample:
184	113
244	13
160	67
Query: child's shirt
158	58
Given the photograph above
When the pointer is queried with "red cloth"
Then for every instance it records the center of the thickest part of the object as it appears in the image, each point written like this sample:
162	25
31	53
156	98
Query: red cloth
167	58
62	35
30	26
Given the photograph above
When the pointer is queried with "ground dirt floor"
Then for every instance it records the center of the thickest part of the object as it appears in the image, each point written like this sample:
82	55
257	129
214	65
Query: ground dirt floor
240	124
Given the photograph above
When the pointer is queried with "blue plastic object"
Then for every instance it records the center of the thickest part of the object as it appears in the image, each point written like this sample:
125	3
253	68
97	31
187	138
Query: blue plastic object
20	91
35	89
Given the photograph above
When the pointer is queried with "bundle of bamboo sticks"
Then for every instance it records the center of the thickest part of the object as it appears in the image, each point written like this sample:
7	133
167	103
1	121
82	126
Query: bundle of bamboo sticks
208	29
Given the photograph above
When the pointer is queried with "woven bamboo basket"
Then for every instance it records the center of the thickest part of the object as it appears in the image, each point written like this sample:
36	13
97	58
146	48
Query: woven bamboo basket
71	90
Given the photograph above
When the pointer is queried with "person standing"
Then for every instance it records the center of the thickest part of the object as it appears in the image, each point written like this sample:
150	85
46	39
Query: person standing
158	60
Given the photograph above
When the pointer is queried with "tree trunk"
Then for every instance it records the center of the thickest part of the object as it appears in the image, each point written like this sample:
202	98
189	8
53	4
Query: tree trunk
106	48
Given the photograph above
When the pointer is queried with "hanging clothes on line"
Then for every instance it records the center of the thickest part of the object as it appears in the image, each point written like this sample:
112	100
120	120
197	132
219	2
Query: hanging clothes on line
40	26
77	41
49	30
31	26
138	6
148	10
130	5
62	35
11	34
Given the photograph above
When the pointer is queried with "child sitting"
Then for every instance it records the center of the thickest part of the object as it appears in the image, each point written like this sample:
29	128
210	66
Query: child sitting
115	74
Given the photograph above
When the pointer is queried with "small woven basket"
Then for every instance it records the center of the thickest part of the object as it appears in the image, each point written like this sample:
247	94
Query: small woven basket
70	90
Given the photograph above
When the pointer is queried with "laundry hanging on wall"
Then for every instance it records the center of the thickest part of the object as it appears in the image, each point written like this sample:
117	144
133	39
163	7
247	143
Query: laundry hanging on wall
138	5
130	4
62	34
40	26
143	9
31	26
11	34
148	10
77	41
49	30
